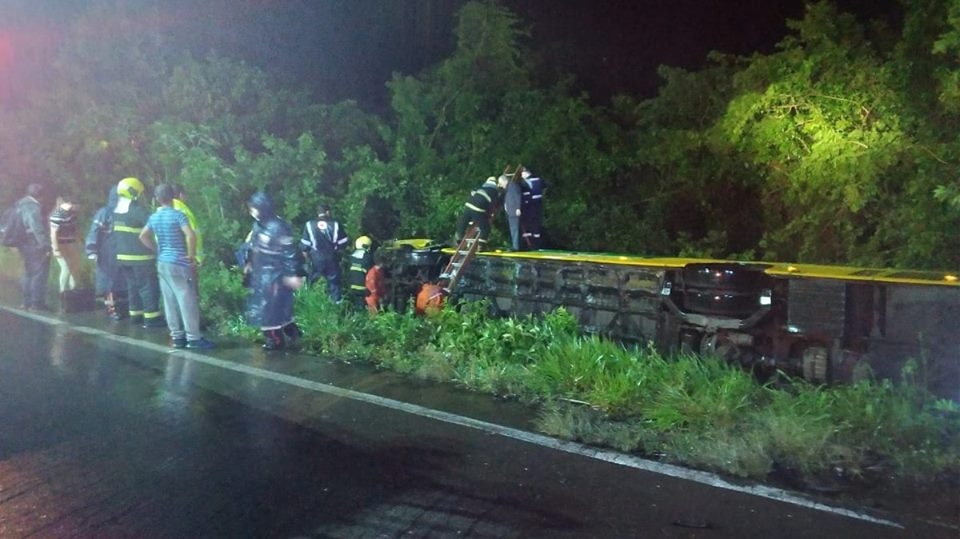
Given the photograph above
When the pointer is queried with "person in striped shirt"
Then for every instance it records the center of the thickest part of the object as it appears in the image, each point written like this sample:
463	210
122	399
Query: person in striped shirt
65	244
169	234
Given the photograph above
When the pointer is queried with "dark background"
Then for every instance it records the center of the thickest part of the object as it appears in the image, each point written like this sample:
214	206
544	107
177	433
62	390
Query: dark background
348	49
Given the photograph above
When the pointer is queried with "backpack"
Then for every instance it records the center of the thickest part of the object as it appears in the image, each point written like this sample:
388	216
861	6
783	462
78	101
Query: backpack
12	230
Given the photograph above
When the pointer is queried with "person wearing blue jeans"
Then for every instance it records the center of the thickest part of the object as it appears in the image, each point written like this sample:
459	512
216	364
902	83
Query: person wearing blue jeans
169	234
35	250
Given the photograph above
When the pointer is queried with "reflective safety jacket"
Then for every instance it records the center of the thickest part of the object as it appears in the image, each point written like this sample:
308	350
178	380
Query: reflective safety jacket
484	198
192	219
127	223
360	262
325	237
533	194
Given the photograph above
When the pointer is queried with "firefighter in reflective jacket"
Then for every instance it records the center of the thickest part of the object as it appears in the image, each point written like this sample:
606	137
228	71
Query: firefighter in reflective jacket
479	208
323	240
531	217
138	265
360	262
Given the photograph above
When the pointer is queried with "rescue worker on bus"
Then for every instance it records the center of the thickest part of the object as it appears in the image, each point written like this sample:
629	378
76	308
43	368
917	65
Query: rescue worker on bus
138	264
512	207
531	214
479	208
323	241
361	260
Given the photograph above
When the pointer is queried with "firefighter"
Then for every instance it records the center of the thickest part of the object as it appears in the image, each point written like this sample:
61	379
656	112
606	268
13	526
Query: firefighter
323	241
361	260
271	260
138	265
531	217
479	208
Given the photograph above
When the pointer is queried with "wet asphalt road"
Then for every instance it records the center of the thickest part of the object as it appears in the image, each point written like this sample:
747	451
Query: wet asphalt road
117	437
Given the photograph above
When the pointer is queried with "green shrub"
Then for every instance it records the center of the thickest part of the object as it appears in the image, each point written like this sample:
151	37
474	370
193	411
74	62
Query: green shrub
699	411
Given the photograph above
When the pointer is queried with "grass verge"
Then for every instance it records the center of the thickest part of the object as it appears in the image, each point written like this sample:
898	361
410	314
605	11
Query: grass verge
688	410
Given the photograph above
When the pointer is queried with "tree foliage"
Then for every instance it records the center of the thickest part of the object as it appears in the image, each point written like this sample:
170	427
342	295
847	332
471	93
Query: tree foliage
838	147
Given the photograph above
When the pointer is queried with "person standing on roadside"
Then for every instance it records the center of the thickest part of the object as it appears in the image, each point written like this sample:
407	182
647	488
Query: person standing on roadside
169	234
137	263
108	282
65	245
271	264
34	250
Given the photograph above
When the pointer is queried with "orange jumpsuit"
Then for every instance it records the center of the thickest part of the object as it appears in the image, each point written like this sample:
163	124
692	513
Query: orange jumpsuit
376	289
429	299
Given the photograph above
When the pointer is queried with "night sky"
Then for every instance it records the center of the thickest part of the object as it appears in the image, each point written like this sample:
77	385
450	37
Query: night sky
347	49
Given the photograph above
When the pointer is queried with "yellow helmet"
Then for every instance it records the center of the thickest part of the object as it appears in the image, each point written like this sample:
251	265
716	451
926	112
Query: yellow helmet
130	188
363	242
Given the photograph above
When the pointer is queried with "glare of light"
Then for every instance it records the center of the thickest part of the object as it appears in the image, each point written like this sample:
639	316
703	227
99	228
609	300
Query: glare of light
6	52
766	297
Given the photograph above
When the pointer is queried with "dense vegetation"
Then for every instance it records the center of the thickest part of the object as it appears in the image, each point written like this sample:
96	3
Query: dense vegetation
839	147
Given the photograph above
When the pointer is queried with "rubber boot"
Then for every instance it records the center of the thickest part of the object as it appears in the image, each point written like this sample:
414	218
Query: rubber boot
272	339
292	333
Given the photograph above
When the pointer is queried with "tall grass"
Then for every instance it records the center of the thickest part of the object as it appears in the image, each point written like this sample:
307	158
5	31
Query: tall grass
693	410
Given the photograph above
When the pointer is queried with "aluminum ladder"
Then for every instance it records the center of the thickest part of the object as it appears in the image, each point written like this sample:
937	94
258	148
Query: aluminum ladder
458	262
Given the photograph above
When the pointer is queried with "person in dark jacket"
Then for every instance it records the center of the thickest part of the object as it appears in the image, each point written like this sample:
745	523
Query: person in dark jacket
138	265
98	245
34	250
65	244
479	208
323	241
531	219
272	262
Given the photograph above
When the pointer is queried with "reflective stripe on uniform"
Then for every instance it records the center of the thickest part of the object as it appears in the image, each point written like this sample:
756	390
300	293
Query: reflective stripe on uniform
135	258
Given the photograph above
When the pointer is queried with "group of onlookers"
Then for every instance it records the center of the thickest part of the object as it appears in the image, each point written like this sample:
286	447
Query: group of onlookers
139	255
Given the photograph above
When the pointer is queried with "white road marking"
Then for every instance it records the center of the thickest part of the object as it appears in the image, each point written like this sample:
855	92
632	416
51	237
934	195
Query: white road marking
630	461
